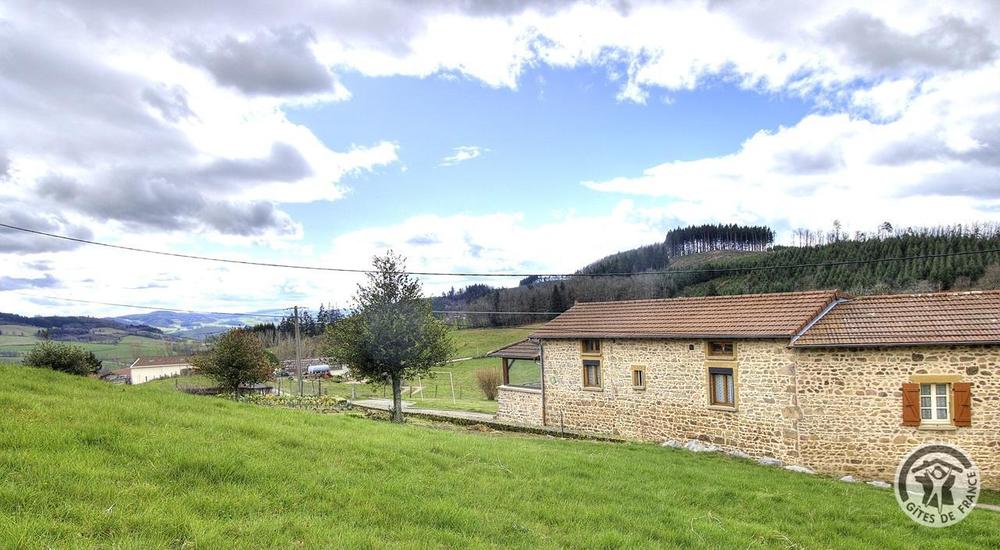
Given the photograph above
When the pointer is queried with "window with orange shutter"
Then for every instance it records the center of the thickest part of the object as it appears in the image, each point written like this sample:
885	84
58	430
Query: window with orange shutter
962	403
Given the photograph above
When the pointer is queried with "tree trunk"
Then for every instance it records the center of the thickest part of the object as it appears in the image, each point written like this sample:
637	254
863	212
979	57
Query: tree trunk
397	399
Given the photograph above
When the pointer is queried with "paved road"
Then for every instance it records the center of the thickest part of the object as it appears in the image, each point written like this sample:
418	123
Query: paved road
386	405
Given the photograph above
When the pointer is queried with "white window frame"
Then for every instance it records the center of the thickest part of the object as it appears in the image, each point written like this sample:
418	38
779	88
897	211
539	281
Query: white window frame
933	406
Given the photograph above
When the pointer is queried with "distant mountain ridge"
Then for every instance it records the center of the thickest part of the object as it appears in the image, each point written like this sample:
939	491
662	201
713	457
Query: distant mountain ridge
78	328
196	325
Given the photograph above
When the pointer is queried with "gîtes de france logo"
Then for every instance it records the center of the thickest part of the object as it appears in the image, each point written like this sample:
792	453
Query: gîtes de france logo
937	485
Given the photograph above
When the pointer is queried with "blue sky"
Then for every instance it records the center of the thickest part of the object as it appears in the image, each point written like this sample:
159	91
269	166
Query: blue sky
558	128
315	134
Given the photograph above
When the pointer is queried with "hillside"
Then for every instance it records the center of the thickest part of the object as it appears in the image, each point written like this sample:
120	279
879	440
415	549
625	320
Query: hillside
193	325
78	328
115	343
729	268
87	464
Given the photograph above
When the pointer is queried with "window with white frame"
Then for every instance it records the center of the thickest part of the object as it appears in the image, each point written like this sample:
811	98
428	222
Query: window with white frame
935	403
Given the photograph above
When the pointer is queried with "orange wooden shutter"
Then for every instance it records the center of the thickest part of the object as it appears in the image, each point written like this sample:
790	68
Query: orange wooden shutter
961	393
911	404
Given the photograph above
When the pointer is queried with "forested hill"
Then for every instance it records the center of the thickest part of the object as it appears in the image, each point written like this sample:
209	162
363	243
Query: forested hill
685	241
726	268
60	327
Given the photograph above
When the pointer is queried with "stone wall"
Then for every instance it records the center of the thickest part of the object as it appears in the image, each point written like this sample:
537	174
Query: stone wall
519	405
851	407
837	411
675	403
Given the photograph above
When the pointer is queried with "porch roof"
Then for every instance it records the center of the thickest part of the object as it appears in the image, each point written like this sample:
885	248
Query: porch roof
525	349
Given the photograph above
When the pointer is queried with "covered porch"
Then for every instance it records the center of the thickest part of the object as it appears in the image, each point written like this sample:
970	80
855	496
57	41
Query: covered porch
519	399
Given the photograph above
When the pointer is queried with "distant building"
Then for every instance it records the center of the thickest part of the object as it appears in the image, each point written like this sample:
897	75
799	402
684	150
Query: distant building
845	385
145	369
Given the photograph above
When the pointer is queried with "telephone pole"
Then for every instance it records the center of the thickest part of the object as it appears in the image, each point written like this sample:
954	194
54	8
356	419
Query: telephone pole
298	356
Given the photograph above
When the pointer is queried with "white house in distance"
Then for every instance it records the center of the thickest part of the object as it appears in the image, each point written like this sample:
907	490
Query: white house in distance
145	369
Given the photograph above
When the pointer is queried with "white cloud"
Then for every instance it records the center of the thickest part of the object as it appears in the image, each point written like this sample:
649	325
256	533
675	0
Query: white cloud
463	153
170	127
936	161
503	242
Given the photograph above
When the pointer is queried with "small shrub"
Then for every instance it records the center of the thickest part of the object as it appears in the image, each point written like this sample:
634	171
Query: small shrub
489	380
63	358
237	359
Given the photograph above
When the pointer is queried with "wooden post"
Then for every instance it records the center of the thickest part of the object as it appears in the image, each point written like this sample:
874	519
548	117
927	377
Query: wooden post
506	371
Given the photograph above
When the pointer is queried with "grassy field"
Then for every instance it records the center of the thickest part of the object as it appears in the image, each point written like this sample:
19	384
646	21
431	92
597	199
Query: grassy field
87	464
436	389
17	339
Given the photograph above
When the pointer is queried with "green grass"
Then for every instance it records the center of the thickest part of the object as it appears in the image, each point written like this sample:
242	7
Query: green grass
114	355
437	388
86	464
477	342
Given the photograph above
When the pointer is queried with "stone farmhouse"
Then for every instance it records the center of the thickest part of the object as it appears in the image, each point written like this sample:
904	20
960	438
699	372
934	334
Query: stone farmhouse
840	384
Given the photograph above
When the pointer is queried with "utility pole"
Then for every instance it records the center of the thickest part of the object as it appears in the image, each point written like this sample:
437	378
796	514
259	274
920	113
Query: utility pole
298	356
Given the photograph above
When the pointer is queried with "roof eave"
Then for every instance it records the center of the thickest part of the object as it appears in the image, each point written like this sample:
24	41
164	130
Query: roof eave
665	336
909	344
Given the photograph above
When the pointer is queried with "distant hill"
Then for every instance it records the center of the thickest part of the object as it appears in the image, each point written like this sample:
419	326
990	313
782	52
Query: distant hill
193	325
728	266
84	329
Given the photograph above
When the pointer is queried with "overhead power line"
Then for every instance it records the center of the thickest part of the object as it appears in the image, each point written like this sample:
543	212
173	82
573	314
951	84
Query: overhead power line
261	315
520	275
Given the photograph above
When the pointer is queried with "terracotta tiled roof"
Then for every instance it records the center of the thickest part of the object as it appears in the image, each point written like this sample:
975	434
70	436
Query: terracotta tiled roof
525	349
909	319
779	315
161	361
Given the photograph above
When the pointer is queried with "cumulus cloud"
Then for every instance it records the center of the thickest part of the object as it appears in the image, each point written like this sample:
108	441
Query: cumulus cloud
111	126
18	242
463	153
170	121
20	283
945	43
938	161
145	200
171	103
276	62
505	242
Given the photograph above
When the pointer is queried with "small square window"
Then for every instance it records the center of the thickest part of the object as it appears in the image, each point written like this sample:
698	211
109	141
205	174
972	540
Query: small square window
722	387
639	378
592	374
592	346
721	350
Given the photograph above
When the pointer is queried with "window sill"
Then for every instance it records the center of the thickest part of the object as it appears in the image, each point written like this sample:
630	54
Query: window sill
639	388
937	427
592	388
724	408
522	389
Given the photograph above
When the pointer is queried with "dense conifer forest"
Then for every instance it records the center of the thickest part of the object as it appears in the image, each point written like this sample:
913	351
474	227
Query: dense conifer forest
730	259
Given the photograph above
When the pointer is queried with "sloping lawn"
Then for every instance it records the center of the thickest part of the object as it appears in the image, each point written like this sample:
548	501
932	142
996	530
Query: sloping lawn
85	464
436	392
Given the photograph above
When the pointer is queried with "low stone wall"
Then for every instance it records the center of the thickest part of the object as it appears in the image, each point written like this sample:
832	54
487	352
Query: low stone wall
519	405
